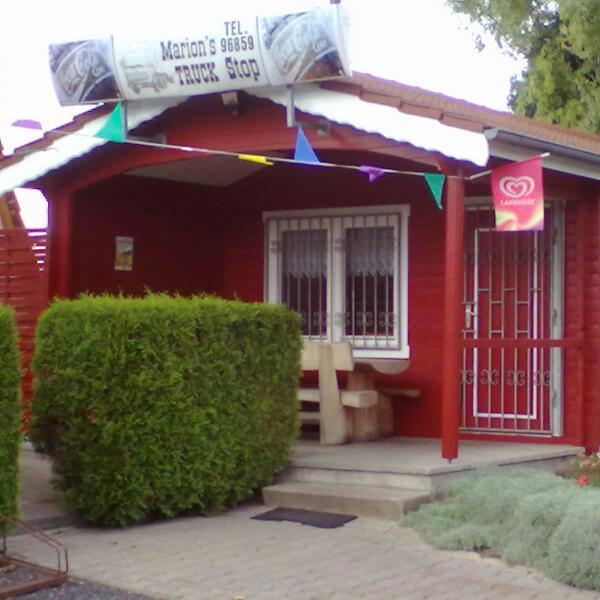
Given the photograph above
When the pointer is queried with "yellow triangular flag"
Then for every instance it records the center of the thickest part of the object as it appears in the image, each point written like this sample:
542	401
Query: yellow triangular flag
255	158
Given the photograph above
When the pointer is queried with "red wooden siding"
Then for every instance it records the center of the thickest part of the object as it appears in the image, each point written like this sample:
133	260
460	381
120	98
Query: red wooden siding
173	239
23	285
591	328
194	238
575	244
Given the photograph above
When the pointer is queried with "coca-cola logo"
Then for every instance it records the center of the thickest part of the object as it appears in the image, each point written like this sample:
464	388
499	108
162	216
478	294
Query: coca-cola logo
300	43
517	187
80	68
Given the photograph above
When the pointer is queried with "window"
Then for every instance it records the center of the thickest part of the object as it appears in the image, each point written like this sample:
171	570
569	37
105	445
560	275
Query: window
345	272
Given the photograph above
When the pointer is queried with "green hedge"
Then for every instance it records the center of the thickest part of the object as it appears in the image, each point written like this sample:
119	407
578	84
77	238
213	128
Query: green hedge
160	405
10	411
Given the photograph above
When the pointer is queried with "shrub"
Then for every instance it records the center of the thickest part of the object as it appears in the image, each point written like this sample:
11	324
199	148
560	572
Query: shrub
574	549
161	405
528	517
10	433
535	521
480	509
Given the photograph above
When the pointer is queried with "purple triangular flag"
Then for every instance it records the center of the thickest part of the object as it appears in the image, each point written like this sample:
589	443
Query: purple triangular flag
28	124
304	151
372	172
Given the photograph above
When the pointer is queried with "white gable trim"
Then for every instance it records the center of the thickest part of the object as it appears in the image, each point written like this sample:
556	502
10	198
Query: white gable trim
347	109
65	148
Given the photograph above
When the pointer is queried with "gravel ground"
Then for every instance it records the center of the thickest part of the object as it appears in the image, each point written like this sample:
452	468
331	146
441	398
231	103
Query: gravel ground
80	590
12	574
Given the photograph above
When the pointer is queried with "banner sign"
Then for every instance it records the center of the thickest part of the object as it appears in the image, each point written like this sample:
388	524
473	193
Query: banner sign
229	54
518	192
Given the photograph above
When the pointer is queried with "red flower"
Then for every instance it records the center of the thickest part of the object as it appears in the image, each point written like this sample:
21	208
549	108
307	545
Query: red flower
583	480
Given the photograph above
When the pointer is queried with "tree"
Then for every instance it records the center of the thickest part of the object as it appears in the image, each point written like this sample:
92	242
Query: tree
561	41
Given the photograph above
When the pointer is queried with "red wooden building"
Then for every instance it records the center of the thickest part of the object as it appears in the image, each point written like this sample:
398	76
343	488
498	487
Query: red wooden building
501	329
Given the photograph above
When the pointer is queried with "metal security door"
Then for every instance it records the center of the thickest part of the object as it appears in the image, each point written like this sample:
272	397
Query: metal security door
511	379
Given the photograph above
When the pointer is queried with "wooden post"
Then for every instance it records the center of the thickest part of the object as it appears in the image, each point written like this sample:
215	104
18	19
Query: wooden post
59	244
453	316
365	421
335	423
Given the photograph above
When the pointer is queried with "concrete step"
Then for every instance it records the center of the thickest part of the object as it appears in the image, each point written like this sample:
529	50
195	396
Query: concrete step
364	501
356	477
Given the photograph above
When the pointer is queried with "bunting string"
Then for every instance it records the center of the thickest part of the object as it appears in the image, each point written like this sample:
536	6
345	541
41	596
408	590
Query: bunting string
114	130
254	157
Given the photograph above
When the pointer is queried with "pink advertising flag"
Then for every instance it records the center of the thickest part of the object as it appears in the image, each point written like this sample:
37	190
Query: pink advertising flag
518	193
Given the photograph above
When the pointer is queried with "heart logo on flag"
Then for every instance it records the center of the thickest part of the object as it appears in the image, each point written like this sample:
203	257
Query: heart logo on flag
518	193
517	187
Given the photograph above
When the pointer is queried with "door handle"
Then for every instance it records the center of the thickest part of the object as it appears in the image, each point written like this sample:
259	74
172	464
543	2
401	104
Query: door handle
469	314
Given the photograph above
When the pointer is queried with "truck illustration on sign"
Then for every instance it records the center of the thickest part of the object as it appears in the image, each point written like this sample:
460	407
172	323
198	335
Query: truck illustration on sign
140	66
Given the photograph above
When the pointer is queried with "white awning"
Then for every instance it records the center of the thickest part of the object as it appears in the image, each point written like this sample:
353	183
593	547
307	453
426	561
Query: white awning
347	109
65	148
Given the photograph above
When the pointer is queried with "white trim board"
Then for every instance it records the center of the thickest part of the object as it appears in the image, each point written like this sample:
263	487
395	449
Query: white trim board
338	211
553	163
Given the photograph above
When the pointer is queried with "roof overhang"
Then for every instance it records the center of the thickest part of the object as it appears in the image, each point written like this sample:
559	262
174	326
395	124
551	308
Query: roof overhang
388	121
564	159
421	132
428	134
65	148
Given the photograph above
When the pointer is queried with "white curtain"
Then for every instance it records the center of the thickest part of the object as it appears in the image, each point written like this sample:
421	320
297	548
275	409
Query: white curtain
304	253
370	251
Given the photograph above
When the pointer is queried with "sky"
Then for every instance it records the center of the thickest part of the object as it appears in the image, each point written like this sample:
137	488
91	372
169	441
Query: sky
417	42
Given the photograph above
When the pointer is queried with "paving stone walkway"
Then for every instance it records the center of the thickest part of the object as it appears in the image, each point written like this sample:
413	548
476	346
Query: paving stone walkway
231	556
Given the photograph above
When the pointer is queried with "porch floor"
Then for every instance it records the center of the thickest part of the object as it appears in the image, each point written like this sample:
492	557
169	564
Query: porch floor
421	456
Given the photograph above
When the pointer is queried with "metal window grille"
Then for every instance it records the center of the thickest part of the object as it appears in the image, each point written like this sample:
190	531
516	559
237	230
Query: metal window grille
303	273
341	274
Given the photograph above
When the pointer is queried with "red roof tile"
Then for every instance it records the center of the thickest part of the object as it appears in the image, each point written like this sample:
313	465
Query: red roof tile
458	113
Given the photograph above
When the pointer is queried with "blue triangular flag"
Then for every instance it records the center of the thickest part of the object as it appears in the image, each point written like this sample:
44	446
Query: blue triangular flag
304	151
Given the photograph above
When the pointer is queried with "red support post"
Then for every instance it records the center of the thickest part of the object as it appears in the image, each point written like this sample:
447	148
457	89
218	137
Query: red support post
59	244
453	315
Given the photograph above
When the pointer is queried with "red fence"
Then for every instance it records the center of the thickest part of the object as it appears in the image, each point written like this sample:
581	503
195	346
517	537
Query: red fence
24	286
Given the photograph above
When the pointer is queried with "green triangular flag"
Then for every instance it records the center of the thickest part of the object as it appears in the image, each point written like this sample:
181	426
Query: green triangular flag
113	129
436	186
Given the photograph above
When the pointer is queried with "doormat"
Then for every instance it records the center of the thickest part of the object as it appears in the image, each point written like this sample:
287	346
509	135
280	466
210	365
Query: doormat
312	518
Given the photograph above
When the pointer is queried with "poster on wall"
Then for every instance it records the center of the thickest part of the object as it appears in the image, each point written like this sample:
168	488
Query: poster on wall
123	253
228	54
518	192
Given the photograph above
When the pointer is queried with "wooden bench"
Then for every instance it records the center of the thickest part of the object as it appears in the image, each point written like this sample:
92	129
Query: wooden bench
359	413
